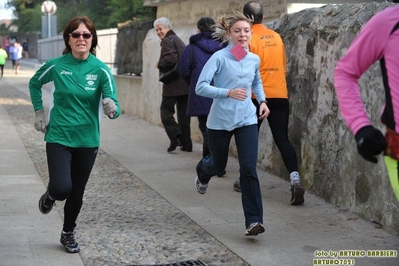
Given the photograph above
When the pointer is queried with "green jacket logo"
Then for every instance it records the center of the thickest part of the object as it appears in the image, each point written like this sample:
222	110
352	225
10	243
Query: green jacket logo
91	77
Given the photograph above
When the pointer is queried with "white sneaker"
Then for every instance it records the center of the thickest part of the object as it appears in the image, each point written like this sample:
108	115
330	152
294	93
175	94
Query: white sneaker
201	188
254	229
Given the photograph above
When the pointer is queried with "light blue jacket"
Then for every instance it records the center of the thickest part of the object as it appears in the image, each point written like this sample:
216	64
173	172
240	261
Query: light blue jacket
14	53
228	73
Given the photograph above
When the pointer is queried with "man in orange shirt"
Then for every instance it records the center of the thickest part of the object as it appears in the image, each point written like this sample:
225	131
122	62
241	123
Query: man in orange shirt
269	46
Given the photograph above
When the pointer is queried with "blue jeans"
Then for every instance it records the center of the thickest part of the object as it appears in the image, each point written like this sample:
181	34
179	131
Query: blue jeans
247	147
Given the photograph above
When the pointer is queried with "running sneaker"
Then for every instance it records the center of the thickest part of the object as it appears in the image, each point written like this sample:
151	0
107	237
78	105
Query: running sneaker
237	186
297	192
254	229
201	188
68	240
45	203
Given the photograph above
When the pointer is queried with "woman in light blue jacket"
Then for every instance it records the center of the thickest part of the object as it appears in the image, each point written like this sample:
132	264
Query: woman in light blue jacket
235	75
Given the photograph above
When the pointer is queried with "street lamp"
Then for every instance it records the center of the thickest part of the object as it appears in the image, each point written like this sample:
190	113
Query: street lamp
49	8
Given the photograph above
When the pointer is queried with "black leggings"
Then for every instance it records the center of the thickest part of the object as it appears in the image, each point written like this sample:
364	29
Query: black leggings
69	171
278	122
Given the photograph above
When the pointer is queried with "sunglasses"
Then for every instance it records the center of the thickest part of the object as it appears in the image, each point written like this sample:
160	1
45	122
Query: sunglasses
76	35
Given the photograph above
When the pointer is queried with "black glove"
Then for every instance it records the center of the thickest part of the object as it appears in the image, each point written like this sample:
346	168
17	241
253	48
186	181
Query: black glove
370	142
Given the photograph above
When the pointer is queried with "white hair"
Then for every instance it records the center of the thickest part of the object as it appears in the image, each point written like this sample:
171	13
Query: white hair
164	22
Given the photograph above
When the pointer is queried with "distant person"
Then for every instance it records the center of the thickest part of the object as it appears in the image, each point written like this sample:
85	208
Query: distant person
377	41
3	58
14	55
234	71
269	46
7	48
195	55
83	87
25	48
20	50
174	94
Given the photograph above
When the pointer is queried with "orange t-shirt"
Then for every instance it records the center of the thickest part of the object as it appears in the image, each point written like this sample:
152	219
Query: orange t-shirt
269	46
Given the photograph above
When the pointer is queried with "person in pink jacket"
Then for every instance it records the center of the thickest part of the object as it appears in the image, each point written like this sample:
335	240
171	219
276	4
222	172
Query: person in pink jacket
377	41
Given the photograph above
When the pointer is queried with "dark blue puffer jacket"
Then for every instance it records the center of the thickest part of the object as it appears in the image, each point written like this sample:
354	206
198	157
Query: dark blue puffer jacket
203	46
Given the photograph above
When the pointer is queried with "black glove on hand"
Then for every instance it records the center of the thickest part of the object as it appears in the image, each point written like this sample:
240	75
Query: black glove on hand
370	142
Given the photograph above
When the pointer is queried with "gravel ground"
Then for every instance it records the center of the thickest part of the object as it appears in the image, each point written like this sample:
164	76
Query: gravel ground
123	221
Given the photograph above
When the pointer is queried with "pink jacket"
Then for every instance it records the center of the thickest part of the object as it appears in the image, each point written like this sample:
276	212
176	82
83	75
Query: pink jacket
374	42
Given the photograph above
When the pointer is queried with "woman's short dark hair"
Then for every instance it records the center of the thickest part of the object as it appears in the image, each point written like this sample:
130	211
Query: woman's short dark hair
72	25
205	24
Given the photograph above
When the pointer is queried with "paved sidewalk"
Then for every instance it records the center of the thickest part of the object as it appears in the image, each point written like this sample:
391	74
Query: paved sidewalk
26	236
294	234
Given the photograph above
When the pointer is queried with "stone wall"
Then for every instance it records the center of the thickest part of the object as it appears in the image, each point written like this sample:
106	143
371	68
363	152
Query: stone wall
129	48
315	39
187	12
329	163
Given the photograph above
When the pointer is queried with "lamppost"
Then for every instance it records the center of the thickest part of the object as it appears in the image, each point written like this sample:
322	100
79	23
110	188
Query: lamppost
49	8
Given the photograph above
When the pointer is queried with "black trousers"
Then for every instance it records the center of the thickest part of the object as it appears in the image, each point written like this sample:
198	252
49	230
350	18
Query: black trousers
278	122
69	171
202	126
180	129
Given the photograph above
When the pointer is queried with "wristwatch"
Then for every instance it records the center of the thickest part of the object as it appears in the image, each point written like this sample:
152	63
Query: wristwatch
263	101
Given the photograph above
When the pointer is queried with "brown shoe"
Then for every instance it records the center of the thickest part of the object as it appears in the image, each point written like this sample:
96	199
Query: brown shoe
297	192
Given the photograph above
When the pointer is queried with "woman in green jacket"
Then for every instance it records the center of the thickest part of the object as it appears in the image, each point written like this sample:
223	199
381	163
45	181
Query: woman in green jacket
83	86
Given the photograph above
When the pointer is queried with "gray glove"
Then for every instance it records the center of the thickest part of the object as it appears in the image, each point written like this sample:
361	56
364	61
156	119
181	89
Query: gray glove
109	107
40	121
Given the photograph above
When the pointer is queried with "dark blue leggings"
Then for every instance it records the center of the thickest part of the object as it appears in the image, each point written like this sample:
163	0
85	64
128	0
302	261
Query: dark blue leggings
202	126
278	122
69	171
246	139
